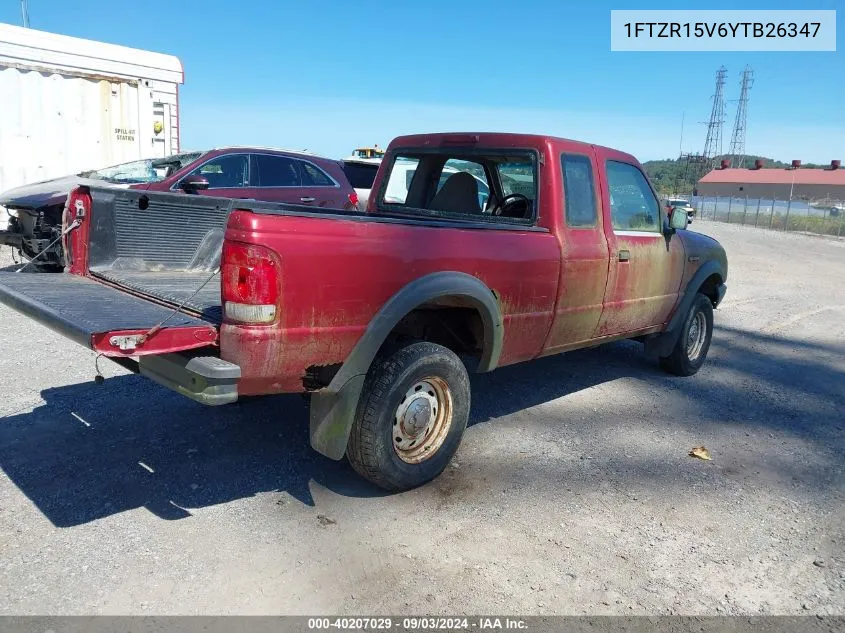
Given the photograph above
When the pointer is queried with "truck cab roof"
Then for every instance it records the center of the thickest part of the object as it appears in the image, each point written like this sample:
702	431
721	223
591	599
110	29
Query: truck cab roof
496	139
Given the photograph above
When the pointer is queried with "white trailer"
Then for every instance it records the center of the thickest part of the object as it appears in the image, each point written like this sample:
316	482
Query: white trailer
69	104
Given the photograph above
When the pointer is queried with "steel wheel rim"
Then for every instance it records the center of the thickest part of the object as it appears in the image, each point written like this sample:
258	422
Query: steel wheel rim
422	420
695	336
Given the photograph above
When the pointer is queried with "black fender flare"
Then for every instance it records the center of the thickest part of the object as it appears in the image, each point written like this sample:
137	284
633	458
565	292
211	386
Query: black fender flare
662	344
333	408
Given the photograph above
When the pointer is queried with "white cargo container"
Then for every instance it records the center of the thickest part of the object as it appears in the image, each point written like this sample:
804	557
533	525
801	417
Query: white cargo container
69	104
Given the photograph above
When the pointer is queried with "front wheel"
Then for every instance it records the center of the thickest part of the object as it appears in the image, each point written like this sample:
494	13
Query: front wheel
689	352
411	416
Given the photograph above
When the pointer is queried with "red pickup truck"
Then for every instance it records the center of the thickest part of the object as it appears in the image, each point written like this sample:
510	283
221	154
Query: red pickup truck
379	315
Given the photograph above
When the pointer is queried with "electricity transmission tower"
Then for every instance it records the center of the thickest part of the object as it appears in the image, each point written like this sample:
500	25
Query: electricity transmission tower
713	142
737	150
696	165
25	13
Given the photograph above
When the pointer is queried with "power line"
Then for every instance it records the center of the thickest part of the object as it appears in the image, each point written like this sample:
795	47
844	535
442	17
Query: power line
737	150
681	142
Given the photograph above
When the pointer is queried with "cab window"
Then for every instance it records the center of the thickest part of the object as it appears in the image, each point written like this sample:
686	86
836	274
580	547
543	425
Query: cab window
490	186
633	206
579	191
399	182
518	177
476	170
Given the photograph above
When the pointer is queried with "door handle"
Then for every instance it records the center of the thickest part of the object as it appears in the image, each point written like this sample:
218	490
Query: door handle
307	199
624	256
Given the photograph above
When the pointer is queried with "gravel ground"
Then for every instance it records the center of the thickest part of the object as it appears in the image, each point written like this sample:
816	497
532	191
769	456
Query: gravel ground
573	492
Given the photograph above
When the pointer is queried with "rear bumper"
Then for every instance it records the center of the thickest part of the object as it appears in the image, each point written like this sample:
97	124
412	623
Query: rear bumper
172	348
205	379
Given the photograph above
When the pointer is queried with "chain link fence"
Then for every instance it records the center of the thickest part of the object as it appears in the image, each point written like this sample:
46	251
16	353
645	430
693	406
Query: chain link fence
820	217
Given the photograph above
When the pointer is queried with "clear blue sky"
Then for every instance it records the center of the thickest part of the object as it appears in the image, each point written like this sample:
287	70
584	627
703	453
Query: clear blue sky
332	75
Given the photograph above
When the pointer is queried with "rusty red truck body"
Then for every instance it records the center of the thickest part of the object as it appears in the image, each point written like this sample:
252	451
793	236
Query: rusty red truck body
476	251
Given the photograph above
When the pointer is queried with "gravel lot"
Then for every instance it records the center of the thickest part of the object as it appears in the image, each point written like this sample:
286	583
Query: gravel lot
572	493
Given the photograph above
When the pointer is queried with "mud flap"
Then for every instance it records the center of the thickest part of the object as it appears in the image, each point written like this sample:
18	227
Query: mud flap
331	416
661	345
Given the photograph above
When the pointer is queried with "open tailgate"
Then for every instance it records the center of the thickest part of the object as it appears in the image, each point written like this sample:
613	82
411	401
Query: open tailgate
100	317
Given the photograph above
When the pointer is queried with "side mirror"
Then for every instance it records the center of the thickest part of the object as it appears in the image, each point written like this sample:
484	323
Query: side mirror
678	219
194	183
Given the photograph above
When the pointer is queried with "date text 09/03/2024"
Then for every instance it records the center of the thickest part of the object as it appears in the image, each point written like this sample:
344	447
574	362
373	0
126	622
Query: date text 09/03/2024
417	623
721	29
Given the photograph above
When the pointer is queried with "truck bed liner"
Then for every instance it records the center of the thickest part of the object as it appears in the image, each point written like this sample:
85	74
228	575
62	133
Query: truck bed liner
78	307
160	245
173	287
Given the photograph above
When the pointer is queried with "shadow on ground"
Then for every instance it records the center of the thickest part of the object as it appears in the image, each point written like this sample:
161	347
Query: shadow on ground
92	451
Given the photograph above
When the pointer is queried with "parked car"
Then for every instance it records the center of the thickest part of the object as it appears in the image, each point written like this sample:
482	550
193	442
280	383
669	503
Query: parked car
682	204
380	316
361	173
233	172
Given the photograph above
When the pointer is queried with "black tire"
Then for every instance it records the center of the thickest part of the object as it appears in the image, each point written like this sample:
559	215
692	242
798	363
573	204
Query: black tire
371	449
679	361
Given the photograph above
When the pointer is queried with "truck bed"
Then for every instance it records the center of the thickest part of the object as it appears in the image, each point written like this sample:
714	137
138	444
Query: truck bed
79	307
164	246
174	287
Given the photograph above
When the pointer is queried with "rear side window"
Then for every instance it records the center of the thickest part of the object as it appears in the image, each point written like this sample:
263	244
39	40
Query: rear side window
633	206
360	176
579	190
274	171
313	176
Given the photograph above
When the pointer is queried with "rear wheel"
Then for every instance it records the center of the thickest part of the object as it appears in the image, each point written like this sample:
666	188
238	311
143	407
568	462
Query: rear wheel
411	416
690	350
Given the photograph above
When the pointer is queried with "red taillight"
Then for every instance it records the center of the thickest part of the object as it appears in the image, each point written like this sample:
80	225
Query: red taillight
353	198
250	283
74	241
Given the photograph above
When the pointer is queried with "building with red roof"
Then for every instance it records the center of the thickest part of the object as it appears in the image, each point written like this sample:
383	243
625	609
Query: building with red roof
777	183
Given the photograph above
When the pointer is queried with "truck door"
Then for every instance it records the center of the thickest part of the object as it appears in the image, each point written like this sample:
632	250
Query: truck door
584	254
646	268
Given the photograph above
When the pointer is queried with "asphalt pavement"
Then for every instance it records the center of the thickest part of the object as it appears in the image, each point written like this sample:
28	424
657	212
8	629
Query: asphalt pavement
572	493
